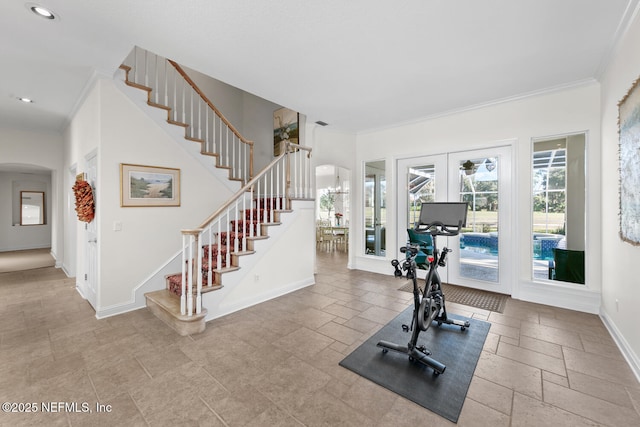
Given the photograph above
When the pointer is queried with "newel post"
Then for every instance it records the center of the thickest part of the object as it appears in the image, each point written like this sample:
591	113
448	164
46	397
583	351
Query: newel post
191	269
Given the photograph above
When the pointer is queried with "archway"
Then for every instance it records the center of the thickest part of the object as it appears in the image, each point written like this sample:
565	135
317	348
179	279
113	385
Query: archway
16	180
333	211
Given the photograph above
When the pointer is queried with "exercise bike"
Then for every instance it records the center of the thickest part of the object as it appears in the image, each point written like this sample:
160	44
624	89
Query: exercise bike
436	219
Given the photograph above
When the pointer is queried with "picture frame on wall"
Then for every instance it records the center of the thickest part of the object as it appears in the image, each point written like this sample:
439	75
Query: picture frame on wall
629	135
285	128
147	186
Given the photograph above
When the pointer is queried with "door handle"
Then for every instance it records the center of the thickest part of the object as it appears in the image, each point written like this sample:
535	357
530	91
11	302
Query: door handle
93	240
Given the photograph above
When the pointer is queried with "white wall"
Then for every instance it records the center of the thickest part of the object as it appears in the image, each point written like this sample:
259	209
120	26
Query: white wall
81	137
251	115
13	236
43	150
281	265
337	148
568	111
257	125
621	287
150	236
331	147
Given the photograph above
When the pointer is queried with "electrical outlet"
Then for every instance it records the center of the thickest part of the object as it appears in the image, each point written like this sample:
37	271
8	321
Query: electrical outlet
617	307
256	278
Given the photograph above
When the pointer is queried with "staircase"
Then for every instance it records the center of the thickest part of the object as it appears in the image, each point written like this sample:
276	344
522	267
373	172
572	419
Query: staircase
215	247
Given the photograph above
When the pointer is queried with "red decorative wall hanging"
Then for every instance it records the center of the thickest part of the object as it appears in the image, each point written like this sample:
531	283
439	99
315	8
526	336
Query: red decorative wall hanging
85	205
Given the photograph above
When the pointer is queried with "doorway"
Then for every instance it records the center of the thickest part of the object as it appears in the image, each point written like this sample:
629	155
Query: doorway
482	255
333	212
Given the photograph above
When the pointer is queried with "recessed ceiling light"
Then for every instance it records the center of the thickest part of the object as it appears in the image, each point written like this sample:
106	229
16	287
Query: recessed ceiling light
43	12
27	100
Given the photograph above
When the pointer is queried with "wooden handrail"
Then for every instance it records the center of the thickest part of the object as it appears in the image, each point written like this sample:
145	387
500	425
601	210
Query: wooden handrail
249	184
213	107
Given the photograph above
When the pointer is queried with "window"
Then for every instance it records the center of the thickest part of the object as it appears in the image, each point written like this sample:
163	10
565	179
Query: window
375	210
558	206
32	208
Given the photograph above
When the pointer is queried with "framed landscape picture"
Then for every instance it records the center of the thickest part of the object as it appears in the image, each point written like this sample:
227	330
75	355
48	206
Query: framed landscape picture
149	186
285	128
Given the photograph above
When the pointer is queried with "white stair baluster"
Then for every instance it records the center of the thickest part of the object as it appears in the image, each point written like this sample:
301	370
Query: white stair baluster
183	283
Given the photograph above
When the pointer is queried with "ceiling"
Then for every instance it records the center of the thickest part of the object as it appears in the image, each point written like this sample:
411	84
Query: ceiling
357	65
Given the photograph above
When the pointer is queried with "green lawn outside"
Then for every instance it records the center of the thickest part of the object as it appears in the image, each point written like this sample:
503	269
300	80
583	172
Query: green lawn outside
487	221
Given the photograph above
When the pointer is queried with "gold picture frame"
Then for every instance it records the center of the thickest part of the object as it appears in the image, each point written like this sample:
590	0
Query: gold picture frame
147	186
285	128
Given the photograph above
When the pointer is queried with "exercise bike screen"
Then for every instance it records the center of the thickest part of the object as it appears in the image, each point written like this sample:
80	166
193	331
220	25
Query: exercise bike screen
448	213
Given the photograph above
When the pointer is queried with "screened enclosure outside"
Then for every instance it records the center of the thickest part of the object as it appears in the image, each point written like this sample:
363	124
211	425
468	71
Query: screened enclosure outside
422	189
558	208
479	239
549	205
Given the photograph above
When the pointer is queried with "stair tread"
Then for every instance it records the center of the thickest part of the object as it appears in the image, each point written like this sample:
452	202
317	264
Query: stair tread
173	122
257	238
156	105
171	304
242	253
190	138
138	86
212	288
226	269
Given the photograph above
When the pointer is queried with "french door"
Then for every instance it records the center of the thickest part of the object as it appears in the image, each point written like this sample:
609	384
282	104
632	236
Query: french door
482	255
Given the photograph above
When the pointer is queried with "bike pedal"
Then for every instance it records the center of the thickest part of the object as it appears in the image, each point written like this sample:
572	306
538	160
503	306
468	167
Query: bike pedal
423	350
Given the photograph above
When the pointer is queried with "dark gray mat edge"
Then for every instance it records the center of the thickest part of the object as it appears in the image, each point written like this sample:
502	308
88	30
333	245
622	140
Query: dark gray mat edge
443	394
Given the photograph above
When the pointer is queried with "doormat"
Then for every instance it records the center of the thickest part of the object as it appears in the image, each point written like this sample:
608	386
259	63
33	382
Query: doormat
485	300
443	394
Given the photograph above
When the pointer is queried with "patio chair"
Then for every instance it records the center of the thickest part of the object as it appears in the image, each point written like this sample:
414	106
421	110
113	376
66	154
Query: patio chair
567	266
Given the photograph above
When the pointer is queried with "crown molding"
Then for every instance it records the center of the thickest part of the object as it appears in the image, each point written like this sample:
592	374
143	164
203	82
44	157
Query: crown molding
628	17
525	95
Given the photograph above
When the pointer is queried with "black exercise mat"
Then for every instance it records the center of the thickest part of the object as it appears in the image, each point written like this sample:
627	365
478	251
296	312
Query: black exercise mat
443	394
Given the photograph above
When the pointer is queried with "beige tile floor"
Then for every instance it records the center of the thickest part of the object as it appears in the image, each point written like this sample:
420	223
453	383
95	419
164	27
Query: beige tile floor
277	363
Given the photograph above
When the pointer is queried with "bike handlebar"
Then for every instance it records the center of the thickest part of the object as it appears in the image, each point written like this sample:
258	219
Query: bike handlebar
437	228
413	251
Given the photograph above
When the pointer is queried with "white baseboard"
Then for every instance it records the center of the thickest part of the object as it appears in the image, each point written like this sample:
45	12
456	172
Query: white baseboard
64	270
79	288
154	282
221	311
627	352
571	298
25	248
116	309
